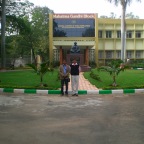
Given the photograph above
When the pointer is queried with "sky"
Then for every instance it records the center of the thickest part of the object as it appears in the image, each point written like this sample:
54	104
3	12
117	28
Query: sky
102	7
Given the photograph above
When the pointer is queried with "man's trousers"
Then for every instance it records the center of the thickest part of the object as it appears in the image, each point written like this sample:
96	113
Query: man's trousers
64	81
75	83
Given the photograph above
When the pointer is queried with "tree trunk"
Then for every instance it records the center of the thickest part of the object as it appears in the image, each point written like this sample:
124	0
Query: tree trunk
123	34
3	21
114	81
33	54
41	79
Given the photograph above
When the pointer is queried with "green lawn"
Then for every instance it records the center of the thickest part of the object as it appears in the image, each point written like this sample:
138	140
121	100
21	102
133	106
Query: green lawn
126	79
28	79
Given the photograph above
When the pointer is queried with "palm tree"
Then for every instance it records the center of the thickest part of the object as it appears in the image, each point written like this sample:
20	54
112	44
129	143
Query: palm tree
124	4
42	70
113	68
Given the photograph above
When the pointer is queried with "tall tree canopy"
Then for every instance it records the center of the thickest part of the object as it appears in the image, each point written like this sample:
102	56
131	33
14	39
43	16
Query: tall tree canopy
10	11
26	28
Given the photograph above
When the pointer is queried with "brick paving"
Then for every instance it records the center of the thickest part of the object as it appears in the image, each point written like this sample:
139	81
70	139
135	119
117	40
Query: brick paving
84	84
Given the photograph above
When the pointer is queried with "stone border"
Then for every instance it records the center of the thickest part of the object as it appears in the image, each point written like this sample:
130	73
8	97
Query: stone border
46	92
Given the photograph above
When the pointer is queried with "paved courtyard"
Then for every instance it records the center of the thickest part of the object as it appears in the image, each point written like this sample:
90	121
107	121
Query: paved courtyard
87	119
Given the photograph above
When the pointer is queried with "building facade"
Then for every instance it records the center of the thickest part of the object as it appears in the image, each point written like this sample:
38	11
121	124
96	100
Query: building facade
99	40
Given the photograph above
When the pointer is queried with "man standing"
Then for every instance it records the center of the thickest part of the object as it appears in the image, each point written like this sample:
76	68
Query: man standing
64	71
74	77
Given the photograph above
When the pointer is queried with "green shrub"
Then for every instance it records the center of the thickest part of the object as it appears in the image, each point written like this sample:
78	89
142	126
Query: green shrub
95	76
92	64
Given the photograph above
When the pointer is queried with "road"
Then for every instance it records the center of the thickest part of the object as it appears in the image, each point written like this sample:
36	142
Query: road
87	119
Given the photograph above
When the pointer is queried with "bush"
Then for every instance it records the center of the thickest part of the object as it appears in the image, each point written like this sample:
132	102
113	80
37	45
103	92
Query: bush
92	64
56	64
95	76
137	64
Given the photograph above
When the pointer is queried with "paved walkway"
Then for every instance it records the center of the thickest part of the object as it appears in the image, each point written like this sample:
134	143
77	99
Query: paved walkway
84	84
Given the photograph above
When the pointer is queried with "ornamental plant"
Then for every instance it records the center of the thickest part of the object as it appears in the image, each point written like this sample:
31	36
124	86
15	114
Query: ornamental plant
41	70
113	68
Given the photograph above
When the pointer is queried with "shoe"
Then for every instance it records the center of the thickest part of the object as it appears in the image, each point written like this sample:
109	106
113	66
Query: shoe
76	94
62	94
66	94
73	94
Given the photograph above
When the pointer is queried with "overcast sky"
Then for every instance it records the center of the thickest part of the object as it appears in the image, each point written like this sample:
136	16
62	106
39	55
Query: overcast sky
102	7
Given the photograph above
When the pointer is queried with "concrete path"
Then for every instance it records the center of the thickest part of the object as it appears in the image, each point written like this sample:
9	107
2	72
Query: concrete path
84	84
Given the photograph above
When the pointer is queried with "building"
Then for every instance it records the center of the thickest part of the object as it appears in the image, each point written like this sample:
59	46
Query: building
99	39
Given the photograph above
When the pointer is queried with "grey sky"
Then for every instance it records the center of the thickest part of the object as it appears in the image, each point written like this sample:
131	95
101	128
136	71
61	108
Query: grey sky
102	7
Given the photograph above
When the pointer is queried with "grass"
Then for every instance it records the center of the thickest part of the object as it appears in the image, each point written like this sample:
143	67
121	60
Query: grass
28	79
127	79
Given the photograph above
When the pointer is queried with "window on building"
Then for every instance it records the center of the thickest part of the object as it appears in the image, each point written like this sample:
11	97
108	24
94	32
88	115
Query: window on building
118	34
56	55
118	54
138	34
100	54
109	54
129	34
100	33
91	54
108	34
138	54
129	54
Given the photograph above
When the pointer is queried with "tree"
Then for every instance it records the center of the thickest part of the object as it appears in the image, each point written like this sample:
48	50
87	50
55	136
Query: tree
31	28
37	34
127	16
18	7
103	16
3	21
131	16
112	15
113	69
124	4
42	70
12	8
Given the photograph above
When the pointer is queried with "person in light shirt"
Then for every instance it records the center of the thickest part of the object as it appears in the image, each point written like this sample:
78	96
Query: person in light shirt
74	77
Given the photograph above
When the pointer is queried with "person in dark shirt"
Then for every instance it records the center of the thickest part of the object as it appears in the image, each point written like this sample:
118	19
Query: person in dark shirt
74	77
